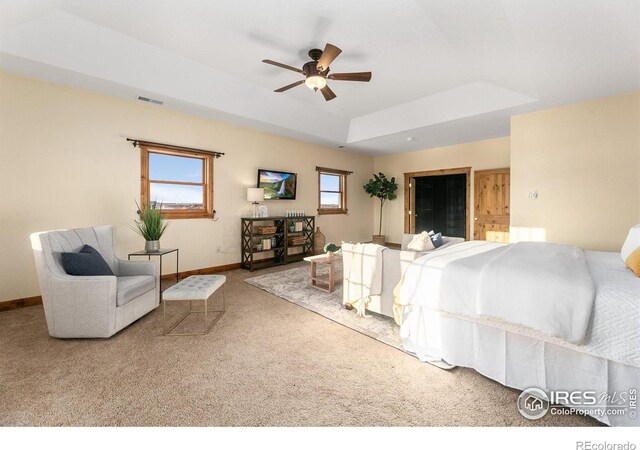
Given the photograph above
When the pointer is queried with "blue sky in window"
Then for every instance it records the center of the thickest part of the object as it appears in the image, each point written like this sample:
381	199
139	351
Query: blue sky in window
329	182
329	200
175	168
175	193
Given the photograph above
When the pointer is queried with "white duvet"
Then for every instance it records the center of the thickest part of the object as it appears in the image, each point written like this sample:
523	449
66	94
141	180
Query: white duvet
613	330
542	286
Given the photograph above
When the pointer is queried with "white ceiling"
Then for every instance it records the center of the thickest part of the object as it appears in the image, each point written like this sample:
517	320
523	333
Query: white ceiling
444	72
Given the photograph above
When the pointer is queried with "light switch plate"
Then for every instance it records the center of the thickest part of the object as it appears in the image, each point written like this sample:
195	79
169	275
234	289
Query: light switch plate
533	195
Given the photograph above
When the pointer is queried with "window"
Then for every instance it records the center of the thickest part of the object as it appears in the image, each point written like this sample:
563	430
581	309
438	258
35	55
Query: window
181	180
332	191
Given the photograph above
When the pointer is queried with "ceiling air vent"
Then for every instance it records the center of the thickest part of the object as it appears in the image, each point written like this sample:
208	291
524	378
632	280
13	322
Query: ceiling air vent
150	100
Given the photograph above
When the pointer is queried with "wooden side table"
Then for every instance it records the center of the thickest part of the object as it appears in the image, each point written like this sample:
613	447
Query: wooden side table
323	282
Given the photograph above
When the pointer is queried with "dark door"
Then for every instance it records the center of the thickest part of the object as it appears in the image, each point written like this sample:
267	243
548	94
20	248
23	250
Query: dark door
441	204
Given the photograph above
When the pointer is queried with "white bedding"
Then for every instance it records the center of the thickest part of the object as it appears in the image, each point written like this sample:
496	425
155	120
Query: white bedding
613	332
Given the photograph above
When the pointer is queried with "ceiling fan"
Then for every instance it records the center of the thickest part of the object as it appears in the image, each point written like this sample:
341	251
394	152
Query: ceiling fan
316	72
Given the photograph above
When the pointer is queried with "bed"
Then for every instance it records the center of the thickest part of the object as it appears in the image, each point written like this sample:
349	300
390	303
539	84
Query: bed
586	337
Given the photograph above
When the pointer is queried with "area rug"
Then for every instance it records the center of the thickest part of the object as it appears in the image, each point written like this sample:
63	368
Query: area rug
294	286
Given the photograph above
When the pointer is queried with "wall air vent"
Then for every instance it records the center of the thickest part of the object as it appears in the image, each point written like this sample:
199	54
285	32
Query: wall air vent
150	100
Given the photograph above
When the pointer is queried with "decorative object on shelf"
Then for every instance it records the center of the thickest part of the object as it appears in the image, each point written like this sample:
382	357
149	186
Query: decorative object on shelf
266	229
151	225
320	240
384	189
263	211
259	247
330	248
266	244
292	227
255	195
297	240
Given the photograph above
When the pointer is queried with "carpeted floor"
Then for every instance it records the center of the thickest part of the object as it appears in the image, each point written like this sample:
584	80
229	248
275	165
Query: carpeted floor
293	285
266	362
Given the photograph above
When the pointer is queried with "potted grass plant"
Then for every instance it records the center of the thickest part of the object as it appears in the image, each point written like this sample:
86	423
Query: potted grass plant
151	225
384	189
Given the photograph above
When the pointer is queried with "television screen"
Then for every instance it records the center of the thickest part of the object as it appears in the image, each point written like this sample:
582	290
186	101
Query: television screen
277	185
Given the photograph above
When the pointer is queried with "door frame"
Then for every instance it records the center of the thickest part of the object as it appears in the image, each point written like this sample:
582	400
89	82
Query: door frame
410	199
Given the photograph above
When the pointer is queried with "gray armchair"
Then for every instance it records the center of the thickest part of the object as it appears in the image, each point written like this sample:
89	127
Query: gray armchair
92	306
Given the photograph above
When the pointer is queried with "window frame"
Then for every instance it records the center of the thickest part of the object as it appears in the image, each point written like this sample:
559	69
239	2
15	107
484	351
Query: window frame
343	191
207	182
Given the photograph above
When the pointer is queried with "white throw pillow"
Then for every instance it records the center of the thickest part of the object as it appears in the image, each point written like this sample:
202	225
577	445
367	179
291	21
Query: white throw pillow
631	243
421	243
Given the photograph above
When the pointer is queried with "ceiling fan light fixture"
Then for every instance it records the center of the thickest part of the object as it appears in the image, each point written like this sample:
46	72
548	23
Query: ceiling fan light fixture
316	72
315	82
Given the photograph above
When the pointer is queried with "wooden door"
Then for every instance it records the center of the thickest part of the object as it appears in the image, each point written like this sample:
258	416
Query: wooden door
491	218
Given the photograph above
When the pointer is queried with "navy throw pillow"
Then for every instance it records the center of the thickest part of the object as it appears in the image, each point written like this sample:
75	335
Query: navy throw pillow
88	261
437	240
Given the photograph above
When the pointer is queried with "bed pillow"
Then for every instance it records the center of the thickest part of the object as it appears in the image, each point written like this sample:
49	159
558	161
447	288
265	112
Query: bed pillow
421	243
437	240
633	261
631	243
88	262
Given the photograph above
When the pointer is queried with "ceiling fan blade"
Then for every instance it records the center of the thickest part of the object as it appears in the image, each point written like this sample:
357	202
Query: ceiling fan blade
353	76
289	86
284	66
330	53
327	93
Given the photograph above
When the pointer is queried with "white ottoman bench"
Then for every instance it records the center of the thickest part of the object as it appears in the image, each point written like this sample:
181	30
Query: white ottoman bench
193	288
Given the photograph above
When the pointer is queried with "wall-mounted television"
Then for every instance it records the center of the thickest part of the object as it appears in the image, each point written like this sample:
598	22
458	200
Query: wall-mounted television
277	185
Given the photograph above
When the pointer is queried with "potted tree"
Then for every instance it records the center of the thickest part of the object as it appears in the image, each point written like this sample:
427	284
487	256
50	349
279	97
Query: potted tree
384	189
151	226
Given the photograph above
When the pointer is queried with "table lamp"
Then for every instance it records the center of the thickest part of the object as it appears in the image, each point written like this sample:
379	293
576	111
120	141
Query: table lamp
255	195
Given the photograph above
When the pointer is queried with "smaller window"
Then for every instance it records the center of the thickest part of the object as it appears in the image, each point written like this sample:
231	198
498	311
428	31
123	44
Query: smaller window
332	191
181	180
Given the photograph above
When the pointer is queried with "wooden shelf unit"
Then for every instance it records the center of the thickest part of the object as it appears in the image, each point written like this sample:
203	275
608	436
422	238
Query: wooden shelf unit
280	253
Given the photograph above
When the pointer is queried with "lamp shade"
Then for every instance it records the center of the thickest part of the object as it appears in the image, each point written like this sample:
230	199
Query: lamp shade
255	194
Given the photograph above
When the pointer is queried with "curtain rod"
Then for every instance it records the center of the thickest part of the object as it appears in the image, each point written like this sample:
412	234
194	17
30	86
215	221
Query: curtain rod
322	169
138	142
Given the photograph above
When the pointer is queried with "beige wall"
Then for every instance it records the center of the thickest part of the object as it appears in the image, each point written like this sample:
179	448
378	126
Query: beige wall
479	155
584	161
64	163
